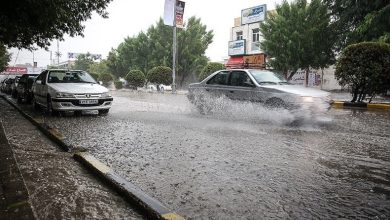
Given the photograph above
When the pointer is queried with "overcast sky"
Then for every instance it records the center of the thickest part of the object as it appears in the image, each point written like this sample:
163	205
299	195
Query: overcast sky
128	18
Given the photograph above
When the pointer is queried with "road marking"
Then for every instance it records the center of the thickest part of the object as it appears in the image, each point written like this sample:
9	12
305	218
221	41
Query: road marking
172	216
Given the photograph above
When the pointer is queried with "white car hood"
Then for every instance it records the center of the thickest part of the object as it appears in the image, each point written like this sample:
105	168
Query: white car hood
78	88
299	90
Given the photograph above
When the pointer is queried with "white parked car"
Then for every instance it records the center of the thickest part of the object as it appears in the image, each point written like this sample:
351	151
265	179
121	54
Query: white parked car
165	88
69	90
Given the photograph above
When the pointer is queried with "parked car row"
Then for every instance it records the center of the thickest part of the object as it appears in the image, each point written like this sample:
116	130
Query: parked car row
59	90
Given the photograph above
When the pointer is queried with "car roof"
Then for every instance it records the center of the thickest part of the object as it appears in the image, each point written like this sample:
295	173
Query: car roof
64	70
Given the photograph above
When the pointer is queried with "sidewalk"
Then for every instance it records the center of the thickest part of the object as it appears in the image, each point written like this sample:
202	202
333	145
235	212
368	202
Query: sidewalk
347	97
55	185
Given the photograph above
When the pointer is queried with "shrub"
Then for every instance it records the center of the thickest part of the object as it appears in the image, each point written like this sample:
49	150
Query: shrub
160	75
118	84
210	68
365	68
105	78
135	78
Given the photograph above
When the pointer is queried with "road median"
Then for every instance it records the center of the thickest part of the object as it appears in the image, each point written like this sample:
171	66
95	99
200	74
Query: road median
360	105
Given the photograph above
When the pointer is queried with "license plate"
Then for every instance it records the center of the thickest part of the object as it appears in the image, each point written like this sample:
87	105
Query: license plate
88	102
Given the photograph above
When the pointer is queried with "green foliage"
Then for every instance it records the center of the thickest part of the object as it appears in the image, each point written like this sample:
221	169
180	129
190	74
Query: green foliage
5	57
95	76
365	68
106	78
350	15
154	48
118	84
298	36
24	23
210	68
135	78
99	67
83	62
160	75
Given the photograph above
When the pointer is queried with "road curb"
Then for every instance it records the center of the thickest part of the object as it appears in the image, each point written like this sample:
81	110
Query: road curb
153	208
150	206
52	133
361	105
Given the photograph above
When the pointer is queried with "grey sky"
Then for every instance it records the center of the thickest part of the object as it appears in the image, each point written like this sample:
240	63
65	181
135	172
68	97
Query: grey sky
128	18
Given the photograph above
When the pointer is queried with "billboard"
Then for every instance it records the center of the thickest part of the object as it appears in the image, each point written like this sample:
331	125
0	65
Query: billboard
254	14
93	56
236	47
12	70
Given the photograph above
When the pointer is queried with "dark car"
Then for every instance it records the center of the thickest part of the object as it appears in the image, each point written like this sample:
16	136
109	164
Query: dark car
24	92
7	87
14	86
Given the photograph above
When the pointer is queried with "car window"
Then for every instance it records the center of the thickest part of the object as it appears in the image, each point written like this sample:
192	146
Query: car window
240	78
70	77
263	76
219	79
42	76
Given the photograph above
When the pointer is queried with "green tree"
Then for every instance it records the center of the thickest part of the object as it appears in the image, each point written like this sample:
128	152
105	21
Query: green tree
298	36
114	66
5	57
118	84
99	67
349	15
83	62
135	78
160	75
24	23
365	68
210	68
106	78
154	48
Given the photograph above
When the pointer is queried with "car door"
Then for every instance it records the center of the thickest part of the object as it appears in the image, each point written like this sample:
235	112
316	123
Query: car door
38	88
218	84
241	86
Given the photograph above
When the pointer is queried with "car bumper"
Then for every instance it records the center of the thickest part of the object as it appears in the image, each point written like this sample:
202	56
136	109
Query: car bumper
74	104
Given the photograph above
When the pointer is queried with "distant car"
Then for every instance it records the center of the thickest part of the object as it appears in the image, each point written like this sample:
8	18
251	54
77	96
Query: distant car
165	88
263	86
7	87
24	88
14	86
70	90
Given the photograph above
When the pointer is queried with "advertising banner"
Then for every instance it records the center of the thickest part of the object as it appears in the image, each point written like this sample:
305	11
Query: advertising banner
11	70
236	47
170	15
254	14
180	14
169	10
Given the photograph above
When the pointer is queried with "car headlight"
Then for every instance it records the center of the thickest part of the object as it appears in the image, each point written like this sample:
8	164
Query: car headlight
64	95
106	94
307	99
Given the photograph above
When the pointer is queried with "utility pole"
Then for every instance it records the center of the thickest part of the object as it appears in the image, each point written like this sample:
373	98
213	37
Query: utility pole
174	51
58	53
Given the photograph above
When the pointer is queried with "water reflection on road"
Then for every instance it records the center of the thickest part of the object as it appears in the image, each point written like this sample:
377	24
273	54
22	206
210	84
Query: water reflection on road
243	161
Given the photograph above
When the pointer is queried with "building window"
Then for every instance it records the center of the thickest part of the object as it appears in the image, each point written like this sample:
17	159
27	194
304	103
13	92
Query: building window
255	35
239	35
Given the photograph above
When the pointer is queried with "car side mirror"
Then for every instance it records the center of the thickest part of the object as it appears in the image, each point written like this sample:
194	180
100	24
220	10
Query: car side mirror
38	82
100	83
249	84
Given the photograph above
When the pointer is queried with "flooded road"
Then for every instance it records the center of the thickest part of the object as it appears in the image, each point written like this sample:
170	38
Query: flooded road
242	161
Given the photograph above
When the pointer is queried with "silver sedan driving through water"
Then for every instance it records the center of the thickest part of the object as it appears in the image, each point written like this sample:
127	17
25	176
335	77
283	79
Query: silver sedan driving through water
263	86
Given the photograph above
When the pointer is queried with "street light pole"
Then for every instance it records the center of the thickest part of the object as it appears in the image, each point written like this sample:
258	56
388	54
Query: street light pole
174	51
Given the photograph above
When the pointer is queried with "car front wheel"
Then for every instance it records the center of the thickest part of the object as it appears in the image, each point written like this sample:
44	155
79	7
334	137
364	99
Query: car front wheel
50	109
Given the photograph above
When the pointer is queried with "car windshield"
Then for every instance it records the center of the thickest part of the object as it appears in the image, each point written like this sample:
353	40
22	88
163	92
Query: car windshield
265	76
70	77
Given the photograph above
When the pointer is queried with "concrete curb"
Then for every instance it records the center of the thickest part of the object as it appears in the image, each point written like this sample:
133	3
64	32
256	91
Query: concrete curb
153	208
150	206
361	105
52	133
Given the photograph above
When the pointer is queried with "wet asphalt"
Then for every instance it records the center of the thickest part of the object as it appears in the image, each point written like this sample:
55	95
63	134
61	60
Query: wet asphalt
242	161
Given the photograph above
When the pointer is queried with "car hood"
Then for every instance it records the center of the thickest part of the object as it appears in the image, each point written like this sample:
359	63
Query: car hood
78	88
299	90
